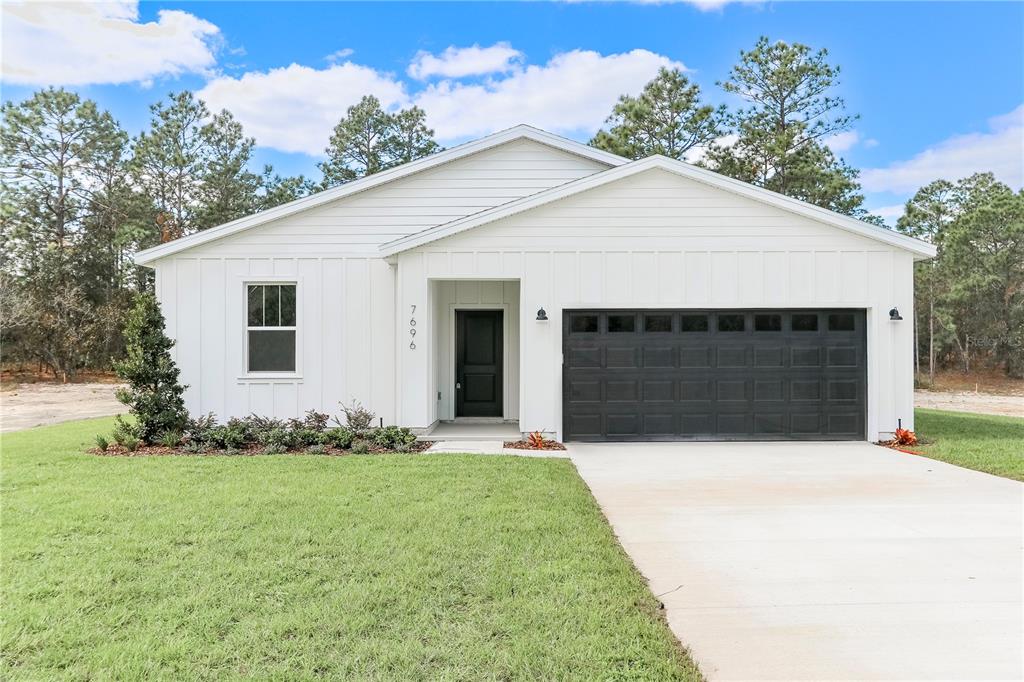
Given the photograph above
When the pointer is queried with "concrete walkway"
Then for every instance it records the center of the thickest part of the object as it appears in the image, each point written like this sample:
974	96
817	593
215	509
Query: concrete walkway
821	561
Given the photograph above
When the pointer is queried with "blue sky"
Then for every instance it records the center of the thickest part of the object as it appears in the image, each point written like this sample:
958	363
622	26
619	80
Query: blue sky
939	86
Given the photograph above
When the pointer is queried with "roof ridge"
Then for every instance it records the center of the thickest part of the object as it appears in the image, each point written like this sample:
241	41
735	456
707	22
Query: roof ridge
460	151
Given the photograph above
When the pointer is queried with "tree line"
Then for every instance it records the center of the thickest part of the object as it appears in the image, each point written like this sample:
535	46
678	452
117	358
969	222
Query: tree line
80	196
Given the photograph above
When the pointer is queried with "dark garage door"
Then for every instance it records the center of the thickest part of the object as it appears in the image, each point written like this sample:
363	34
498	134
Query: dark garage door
714	374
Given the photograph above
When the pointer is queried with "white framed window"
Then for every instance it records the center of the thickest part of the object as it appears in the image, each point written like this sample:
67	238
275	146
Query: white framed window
271	326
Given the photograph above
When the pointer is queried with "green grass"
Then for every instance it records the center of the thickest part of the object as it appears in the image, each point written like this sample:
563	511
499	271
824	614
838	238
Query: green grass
295	567
983	442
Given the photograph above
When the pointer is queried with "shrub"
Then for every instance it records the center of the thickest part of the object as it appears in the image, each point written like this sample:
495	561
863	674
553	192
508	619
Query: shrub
258	427
537	440
169	439
360	447
131	443
339	437
153	393
200	429
235	434
357	417
316	449
102	443
196	447
313	421
125	432
273	449
393	437
305	437
278	438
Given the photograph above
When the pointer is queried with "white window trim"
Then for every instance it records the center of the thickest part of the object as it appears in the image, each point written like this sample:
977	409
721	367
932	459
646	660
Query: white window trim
264	375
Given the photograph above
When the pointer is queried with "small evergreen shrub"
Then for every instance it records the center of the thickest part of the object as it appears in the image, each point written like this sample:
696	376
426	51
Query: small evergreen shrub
313	421
199	429
357	417
339	437
195	447
273	449
102	443
316	449
131	443
360	447
393	437
278	438
303	437
153	392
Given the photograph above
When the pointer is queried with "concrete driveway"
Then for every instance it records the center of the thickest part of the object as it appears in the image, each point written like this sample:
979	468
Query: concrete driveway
835	561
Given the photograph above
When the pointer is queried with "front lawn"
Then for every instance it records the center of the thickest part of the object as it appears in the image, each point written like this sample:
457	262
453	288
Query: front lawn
976	441
304	566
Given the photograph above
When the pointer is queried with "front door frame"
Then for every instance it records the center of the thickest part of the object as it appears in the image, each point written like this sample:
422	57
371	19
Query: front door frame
453	353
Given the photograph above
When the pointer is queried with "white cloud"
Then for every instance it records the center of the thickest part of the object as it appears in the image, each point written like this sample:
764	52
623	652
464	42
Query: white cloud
870	143
841	142
295	108
890	213
1000	150
573	93
459	62
702	5
84	43
339	55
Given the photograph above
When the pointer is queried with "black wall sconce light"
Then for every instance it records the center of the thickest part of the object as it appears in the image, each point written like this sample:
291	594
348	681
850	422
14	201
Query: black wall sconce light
542	316
894	315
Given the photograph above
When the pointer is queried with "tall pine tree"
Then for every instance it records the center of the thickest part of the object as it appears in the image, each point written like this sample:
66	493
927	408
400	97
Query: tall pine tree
782	134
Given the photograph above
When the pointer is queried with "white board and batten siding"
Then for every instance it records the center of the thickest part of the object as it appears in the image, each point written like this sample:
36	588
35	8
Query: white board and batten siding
347	313
658	240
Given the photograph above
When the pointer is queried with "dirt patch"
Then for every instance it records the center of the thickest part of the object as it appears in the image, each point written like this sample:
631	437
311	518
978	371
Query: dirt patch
969	401
993	382
38	404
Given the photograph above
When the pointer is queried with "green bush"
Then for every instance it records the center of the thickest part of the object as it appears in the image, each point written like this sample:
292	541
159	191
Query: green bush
303	437
102	443
153	392
393	437
360	447
339	437
278	438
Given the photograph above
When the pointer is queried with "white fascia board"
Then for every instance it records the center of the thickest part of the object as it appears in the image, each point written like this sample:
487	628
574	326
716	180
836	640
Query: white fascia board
304	204
921	250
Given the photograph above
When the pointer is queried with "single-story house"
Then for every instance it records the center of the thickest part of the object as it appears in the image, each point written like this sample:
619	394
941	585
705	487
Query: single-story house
530	279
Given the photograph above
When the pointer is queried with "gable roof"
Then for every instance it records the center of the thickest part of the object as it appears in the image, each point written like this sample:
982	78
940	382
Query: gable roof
520	132
921	249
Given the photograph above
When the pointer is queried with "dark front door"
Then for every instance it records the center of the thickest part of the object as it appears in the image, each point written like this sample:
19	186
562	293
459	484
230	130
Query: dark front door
478	363
714	374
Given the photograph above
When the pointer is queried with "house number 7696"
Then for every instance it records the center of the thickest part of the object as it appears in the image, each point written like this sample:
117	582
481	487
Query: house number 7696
412	329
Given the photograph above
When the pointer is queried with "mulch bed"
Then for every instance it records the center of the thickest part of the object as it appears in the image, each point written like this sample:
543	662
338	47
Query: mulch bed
114	450
525	445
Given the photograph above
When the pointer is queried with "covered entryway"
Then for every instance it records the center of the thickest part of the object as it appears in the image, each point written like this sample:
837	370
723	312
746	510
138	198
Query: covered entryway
714	375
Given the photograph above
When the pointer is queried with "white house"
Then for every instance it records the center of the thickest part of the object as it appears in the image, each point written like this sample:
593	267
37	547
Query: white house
528	278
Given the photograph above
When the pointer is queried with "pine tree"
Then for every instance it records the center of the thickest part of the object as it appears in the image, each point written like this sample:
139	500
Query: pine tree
781	137
153	393
368	140
667	118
